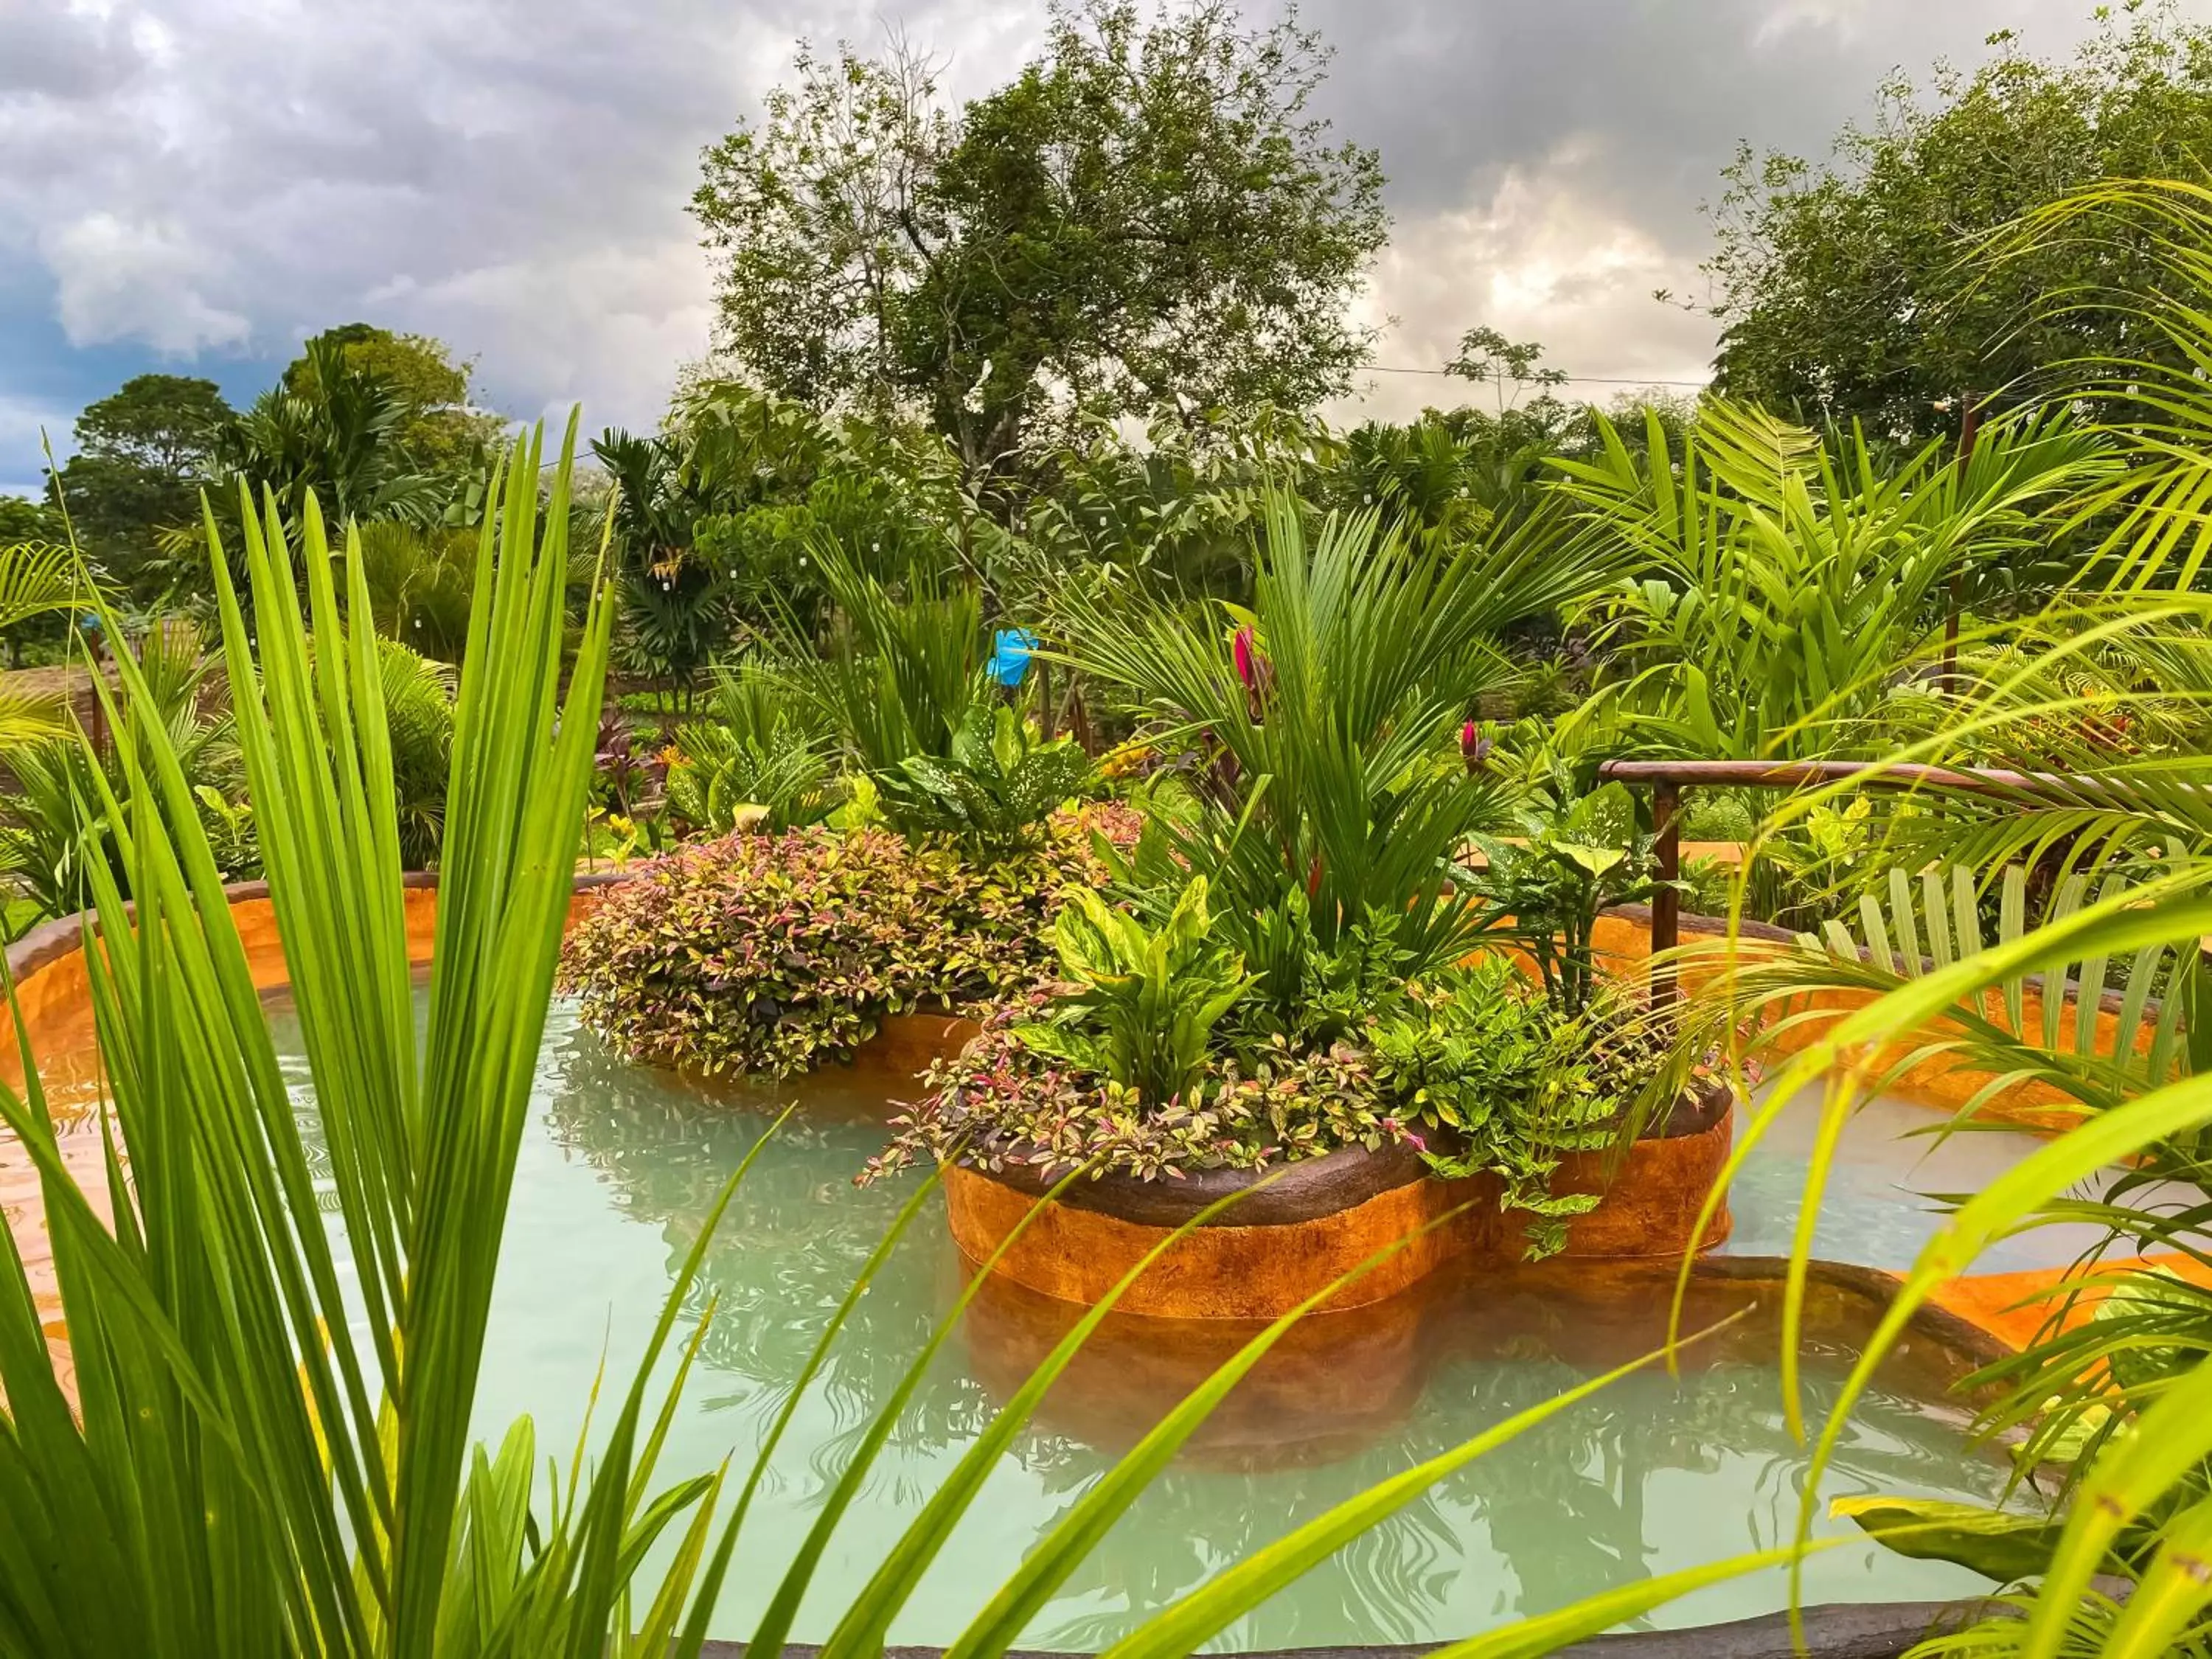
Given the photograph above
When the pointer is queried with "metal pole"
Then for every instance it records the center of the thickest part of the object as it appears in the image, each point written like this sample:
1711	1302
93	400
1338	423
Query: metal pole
1666	902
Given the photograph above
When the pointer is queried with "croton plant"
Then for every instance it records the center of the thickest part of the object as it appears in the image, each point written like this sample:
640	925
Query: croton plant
779	953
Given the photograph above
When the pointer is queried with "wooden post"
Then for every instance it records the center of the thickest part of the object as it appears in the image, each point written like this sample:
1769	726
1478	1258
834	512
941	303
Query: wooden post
1970	427
1666	902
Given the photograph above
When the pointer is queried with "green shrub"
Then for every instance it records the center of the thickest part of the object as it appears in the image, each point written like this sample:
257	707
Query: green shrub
1507	1080
775	953
992	791
1146	1003
757	743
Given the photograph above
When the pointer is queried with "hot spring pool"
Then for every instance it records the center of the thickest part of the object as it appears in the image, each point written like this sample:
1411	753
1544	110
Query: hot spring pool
620	1164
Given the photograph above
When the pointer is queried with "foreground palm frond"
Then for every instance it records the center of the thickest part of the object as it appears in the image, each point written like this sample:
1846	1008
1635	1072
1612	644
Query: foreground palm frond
2098	707
267	1449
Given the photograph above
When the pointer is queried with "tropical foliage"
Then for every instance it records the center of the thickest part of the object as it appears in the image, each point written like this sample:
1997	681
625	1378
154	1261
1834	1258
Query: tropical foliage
777	953
2056	944
1351	695
1856	289
1321	724
992	791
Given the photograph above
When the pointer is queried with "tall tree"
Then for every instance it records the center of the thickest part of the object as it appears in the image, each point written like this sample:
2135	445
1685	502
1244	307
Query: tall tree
1860	288
22	520
1147	216
141	454
441	427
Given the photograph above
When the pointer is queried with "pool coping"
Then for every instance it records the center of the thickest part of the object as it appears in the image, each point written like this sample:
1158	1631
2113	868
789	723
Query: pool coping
1834	1630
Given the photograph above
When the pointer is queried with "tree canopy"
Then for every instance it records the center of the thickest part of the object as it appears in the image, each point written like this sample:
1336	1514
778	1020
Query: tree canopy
380	423
1878	286
1146	217
419	370
143	452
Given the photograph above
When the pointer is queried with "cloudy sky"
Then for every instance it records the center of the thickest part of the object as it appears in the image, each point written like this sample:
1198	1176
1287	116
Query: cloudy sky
197	184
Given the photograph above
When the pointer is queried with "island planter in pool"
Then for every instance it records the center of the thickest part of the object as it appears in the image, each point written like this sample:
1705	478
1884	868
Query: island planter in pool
1290	1236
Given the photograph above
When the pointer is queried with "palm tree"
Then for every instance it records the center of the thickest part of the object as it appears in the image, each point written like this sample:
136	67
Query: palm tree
37	580
1323	722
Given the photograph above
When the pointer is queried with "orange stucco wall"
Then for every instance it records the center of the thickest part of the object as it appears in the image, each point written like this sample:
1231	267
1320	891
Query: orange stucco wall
1649	1206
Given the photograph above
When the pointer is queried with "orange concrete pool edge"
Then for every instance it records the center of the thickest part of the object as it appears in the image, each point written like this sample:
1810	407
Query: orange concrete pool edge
52	993
1317	1222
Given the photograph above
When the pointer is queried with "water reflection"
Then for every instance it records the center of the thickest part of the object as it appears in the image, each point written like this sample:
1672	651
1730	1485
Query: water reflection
794	1239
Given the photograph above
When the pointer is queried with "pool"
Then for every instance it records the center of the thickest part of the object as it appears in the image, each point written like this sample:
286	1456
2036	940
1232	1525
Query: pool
1886	1187
620	1164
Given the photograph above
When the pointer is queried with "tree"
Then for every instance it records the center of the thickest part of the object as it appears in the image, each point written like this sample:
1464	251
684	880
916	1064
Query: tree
141	454
1488	357
441	429
338	428
1858	290
22	520
674	604
1145	217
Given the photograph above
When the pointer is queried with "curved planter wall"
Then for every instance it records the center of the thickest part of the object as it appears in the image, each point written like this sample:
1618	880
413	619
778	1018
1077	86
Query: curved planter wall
1262	1257
1318	1220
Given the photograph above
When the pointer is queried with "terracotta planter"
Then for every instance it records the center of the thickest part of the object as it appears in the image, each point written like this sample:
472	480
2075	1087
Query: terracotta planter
1650	1196
905	1045
1317	1220
1263	1257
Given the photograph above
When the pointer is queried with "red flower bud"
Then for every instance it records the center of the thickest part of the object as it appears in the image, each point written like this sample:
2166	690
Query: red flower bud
1474	747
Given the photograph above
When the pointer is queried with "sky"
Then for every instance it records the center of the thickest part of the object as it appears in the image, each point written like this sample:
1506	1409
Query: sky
196	185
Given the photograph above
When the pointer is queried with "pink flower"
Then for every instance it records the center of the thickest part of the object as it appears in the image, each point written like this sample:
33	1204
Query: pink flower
1416	1142
1474	747
1254	670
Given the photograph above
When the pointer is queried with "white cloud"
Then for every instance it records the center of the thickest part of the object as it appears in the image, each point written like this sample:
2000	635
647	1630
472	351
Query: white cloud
1535	260
609	327
223	176
118	279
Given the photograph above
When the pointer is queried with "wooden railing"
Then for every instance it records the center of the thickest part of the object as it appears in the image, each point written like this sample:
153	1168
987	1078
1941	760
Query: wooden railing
1667	780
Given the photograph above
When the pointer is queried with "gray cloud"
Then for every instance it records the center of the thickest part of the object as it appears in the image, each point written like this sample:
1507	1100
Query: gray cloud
192	181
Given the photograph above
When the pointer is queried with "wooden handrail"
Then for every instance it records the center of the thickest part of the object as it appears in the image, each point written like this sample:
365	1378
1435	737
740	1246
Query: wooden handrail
1797	774
1667	780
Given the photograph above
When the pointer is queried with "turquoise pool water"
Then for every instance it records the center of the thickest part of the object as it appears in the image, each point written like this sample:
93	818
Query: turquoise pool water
620	1164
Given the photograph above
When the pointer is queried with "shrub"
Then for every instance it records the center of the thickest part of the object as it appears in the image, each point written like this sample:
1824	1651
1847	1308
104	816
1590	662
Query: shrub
993	790
757	744
1146	1004
1509	1081
1003	1101
775	953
